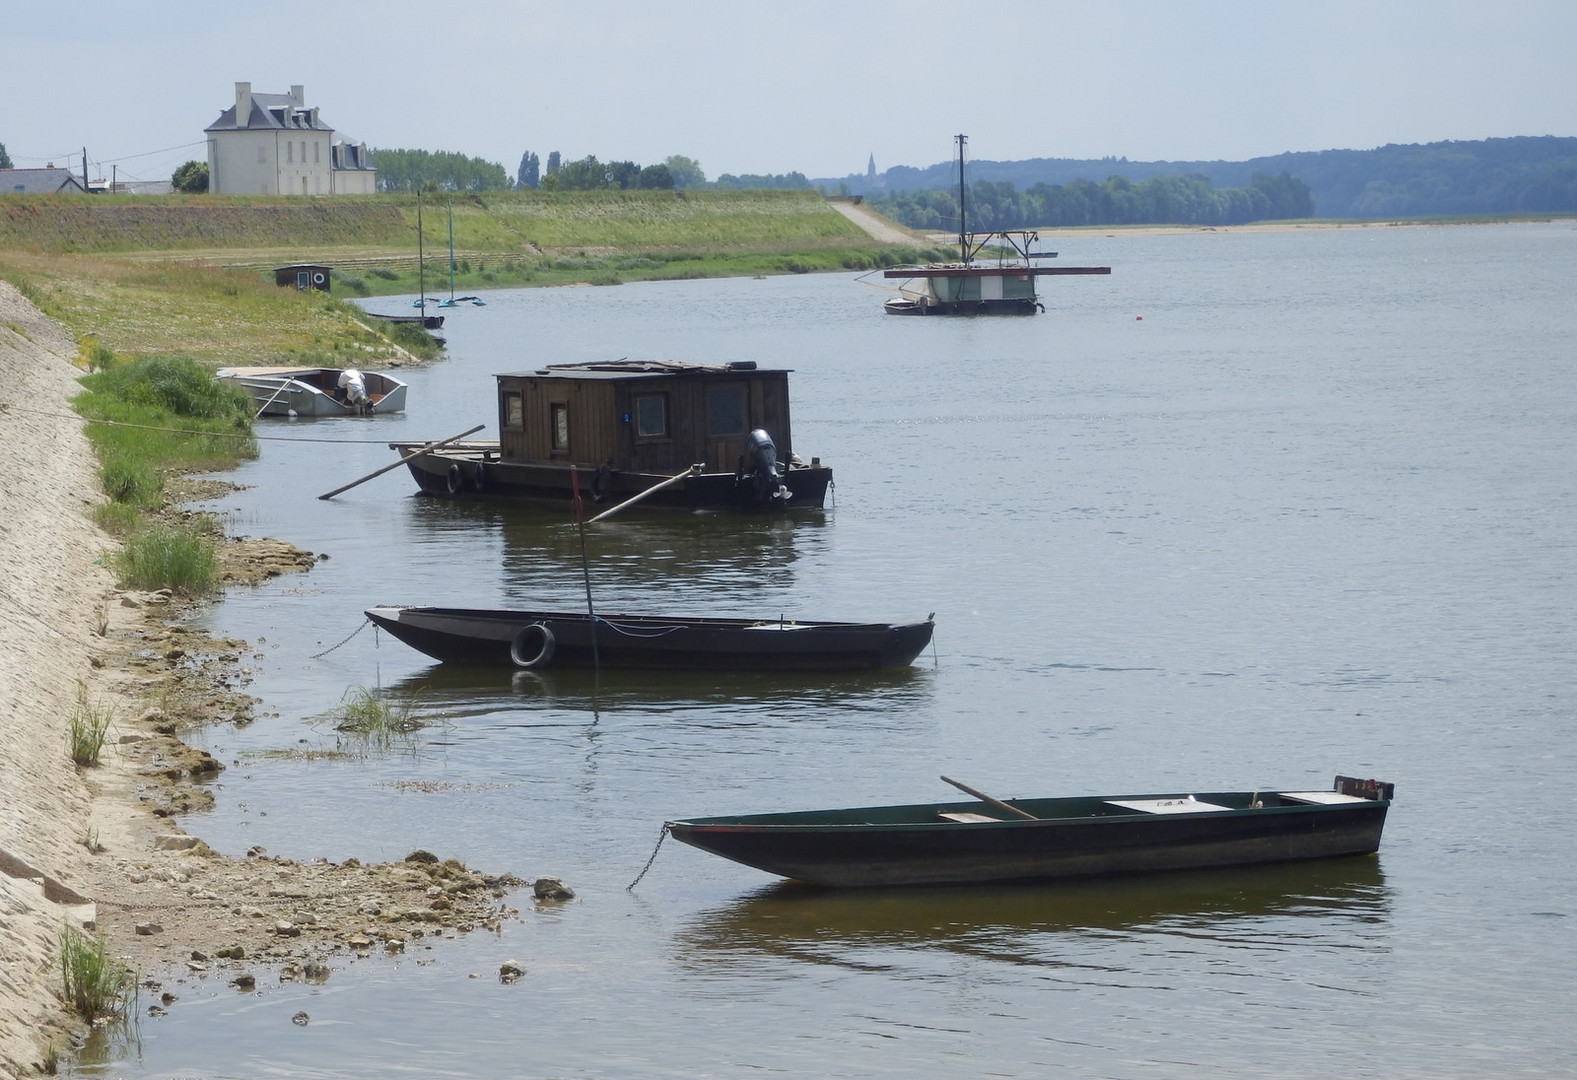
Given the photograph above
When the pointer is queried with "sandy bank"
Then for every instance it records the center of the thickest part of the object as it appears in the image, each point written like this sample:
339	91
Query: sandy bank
96	845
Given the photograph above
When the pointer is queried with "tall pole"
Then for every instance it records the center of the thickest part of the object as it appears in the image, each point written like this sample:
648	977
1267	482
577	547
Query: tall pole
421	262
963	227
84	168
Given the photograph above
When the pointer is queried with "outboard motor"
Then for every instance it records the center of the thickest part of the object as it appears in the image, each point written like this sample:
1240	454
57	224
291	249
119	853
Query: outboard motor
761	470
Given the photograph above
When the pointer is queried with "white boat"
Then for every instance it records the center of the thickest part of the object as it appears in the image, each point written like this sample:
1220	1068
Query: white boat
310	391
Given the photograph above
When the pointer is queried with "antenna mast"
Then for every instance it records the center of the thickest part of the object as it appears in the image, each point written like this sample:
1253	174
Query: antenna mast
963	227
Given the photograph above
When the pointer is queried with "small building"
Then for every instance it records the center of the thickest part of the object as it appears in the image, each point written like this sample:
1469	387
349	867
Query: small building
274	144
46	181
303	276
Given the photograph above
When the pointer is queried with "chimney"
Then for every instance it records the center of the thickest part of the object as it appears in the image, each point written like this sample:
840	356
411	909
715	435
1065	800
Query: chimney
298	94
243	103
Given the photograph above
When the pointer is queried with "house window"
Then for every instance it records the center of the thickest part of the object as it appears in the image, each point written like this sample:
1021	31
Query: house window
559	415
290	152
725	410
262	155
651	416
317	153
514	414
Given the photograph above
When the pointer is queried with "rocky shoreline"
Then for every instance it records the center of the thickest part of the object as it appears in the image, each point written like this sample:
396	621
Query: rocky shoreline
97	846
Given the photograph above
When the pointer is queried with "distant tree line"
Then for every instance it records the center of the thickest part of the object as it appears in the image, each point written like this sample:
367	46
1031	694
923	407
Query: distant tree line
1524	174
5	158
428	170
1162	200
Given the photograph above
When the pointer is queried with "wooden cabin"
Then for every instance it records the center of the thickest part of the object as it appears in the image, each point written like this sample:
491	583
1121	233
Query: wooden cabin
643	416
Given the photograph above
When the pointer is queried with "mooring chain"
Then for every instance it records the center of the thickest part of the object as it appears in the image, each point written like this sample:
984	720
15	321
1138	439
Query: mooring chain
661	836
364	624
274	901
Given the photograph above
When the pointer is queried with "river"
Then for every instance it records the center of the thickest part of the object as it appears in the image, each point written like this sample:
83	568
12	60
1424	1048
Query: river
1256	509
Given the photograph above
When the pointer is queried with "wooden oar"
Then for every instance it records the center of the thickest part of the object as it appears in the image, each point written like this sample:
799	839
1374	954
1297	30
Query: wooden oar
998	803
694	470
414	453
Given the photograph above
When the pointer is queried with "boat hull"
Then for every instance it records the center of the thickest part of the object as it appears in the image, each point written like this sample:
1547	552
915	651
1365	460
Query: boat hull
926	306
535	639
475	469
1071	838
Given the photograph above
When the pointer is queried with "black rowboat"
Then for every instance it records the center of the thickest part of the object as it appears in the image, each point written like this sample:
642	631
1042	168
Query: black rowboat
540	639
1048	839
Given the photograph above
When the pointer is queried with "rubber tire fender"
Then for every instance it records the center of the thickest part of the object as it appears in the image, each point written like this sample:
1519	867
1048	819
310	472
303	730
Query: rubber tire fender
479	478
454	480
533	646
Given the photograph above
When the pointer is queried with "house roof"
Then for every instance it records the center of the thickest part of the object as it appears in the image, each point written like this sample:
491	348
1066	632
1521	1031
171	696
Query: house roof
38	181
278	112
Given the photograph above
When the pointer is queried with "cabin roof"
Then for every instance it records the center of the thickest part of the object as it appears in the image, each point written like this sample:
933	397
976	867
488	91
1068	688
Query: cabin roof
627	369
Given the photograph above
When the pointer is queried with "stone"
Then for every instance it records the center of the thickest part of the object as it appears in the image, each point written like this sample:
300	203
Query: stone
551	888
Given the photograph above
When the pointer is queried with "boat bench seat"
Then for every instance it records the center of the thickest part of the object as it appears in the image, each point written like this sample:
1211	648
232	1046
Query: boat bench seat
966	818
1323	798
1189	805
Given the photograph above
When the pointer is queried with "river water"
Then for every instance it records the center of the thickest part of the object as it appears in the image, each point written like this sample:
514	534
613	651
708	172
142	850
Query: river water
1254	510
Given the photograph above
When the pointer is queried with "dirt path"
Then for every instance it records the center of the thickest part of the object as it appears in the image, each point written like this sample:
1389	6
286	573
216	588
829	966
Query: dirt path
877	227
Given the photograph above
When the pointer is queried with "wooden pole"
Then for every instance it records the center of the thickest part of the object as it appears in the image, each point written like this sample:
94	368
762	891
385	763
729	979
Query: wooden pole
585	567
414	453
694	470
998	803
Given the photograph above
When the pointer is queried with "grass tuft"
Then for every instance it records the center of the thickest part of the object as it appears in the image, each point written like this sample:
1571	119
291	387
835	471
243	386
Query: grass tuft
96	985
376	719
87	728
178	557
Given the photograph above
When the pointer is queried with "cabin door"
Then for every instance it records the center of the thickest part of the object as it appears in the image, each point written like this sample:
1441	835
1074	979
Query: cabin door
727	424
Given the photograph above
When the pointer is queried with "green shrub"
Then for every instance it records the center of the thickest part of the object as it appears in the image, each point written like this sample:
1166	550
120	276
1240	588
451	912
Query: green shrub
129	481
383	272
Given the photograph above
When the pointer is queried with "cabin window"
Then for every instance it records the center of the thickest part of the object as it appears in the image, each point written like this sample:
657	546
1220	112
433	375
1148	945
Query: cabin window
514	413
559	414
651	416
725	410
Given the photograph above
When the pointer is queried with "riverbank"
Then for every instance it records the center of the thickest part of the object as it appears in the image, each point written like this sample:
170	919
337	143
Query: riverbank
96	846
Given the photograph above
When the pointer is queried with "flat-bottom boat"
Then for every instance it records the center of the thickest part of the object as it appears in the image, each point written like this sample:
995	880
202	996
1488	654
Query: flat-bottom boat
287	391
542	639
1048	839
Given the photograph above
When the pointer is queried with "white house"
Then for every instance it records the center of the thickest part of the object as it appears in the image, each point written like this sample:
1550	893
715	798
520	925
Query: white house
273	144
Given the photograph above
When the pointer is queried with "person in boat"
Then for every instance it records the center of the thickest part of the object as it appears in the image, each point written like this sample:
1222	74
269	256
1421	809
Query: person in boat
352	387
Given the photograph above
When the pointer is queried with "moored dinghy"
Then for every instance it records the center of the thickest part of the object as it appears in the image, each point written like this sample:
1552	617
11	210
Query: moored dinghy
308	391
991	840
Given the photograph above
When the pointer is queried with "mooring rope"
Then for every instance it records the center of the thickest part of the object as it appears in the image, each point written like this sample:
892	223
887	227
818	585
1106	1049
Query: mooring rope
5	406
661	836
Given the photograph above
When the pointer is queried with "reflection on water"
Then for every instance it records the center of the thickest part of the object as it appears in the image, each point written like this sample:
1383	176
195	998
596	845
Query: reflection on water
1338	903
727	558
456	690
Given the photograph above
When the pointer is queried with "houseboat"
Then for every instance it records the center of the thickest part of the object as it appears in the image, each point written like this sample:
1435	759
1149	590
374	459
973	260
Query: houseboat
994	275
669	433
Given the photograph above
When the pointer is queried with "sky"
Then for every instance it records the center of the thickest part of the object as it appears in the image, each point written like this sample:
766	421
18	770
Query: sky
811	86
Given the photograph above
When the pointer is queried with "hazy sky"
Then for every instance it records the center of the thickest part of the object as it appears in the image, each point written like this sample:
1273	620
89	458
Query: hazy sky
815	86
